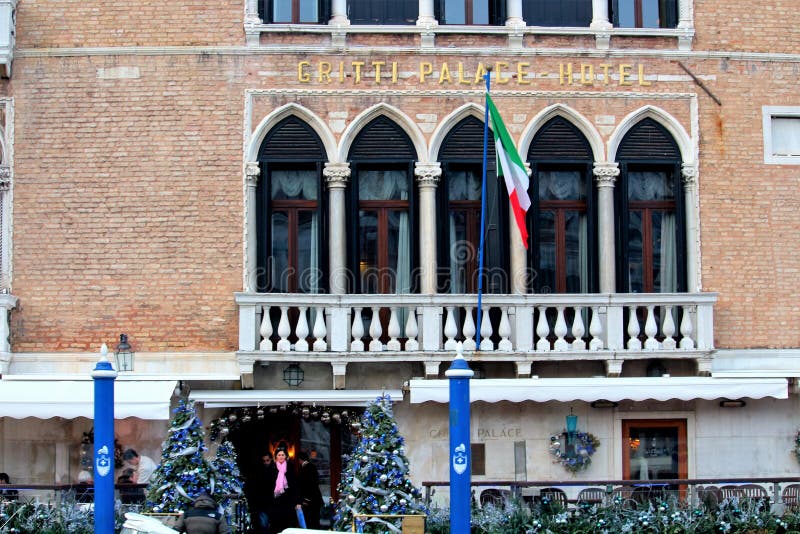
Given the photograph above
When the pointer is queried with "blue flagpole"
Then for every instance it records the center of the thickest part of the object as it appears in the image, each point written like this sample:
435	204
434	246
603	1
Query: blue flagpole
488	78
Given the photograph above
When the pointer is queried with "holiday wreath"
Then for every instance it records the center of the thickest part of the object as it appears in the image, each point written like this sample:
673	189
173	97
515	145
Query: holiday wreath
577	454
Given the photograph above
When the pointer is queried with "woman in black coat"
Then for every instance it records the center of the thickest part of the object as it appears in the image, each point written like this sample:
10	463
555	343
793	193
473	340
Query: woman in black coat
282	509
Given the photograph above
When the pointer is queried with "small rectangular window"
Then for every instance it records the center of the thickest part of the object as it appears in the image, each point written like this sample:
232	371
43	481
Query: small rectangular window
294	11
645	13
566	13
781	134
478	452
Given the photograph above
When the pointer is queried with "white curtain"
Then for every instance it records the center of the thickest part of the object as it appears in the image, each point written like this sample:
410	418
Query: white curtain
786	136
294	184
669	261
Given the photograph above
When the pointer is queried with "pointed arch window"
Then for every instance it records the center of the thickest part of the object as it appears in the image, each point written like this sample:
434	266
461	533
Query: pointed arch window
459	204
382	209
562	222
650	225
290	210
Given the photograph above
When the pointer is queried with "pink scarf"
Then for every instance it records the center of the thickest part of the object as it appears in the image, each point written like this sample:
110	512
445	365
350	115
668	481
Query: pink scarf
281	483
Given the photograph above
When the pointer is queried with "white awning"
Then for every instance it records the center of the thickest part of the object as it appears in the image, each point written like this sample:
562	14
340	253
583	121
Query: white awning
266	397
75	398
611	389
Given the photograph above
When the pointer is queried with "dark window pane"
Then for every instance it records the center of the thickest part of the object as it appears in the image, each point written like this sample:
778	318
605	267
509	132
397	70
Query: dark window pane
383	11
635	253
397	222
576	13
547	251
461	251
576	253
368	253
654	453
280	252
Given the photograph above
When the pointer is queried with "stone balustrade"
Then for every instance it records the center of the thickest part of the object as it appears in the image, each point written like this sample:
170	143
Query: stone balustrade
518	328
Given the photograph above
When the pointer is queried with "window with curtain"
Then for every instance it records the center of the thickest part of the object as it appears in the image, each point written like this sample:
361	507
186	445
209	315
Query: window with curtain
645	13
564	13
468	12
651	245
383	11
290	211
381	243
562	221
459	205
295	11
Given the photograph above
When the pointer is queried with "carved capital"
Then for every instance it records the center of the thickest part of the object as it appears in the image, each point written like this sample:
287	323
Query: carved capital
336	175
606	173
428	174
252	170
689	172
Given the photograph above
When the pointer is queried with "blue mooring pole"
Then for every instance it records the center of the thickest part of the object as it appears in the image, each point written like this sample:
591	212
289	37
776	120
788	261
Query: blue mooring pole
459	375
104	376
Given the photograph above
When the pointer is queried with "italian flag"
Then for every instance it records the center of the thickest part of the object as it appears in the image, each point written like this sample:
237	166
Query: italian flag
511	168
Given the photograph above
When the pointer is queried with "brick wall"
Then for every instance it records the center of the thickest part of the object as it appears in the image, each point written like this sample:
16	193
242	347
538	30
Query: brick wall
128	195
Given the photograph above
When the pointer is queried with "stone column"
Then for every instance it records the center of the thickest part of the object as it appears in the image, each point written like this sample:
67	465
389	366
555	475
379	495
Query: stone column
252	170
339	13
251	12
600	15
685	24
689	172
426	16
337	176
5	226
428	175
514	13
606	174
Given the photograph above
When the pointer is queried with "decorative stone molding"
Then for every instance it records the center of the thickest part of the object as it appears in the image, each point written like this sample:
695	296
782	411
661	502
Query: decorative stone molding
613	368
428	174
5	177
8	23
339	375
336	175
252	170
606	173
689	173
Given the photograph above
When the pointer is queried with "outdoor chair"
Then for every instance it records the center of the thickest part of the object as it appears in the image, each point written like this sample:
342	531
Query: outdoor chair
496	497
710	496
589	496
553	496
791	496
730	491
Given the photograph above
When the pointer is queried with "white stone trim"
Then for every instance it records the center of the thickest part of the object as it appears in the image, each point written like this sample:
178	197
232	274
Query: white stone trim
309	117
768	114
470	109
577	119
400	118
685	143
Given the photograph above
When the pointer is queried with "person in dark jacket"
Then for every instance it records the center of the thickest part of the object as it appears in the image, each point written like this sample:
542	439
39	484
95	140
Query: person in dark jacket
311	496
203	518
285	502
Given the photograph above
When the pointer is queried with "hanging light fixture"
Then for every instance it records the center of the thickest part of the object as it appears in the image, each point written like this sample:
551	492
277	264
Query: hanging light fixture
293	375
124	355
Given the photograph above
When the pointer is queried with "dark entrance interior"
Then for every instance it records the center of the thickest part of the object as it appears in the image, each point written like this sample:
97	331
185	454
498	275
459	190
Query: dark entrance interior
296	428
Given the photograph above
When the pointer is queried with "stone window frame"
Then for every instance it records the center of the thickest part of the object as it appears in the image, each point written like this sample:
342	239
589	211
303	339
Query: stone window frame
6	192
427	27
769	113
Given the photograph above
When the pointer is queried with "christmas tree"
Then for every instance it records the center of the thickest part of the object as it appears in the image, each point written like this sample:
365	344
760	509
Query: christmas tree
228	479
183	473
376	480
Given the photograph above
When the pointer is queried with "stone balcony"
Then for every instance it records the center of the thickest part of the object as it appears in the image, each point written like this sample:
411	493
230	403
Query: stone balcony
521	329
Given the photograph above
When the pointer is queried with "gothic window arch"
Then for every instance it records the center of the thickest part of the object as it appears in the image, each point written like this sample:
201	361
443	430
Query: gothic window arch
290	210
562	221
381	209
650	222
459	207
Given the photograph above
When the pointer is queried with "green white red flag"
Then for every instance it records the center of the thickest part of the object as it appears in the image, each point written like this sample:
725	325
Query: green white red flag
511	168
